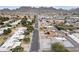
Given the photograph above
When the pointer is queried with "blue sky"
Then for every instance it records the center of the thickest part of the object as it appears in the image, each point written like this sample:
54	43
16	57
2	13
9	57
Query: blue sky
10	7
63	7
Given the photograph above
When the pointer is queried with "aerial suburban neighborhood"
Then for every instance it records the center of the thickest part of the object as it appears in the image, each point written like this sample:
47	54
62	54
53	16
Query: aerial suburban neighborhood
43	29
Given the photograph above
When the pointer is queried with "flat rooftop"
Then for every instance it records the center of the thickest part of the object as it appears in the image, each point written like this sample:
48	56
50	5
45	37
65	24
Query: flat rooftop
14	39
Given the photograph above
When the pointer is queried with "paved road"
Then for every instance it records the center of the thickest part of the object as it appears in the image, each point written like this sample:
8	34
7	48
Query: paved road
69	39
72	41
35	40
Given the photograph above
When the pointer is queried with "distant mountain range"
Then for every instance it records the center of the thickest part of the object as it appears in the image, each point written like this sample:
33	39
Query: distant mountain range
39	10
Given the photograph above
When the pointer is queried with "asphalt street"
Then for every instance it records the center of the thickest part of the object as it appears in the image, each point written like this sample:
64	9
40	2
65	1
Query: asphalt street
35	39
69	39
72	41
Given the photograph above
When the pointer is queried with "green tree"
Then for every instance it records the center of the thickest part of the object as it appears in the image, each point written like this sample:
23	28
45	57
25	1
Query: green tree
17	49
28	23
26	40
57	47
25	18
1	23
3	19
30	28
35	16
8	25
65	18
33	21
23	21
7	31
